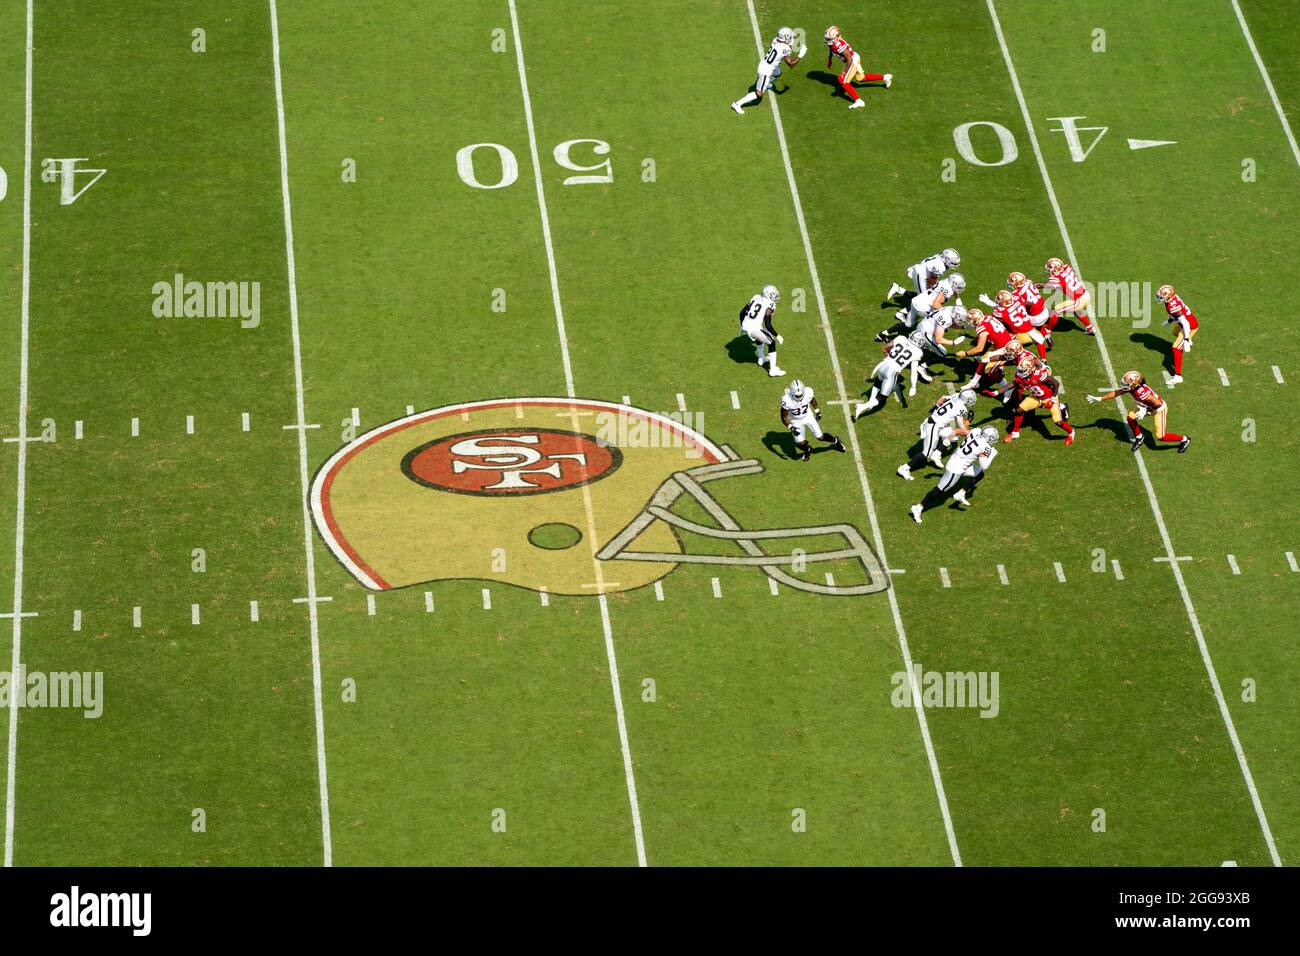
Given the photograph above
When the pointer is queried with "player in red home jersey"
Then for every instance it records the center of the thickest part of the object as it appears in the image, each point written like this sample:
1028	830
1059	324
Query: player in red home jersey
1187	326
1038	388
1030	296
1148	403
1012	313
988	332
837	46
1061	275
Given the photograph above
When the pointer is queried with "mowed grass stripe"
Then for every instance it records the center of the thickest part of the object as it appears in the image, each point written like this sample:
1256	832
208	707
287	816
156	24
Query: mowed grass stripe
214	717
760	709
14	168
1240	435
461	711
887	161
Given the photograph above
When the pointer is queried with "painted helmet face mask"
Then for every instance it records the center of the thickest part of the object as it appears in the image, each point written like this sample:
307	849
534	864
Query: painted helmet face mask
577	496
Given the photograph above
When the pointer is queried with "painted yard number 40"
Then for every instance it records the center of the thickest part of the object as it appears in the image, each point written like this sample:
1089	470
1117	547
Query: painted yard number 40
602	172
1068	128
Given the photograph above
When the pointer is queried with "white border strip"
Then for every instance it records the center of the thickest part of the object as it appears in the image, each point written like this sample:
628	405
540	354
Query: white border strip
1268	83
586	491
311	601
857	456
21	507
1170	553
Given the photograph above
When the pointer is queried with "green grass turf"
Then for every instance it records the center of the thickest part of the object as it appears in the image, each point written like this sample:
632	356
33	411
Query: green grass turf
764	704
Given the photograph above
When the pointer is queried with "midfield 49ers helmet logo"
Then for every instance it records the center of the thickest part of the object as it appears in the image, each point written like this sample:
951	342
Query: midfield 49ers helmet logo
522	491
510	461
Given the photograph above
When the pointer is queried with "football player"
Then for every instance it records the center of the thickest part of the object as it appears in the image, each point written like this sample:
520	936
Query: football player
970	461
946	290
1061	275
900	354
769	68
756	322
1011	312
948	419
930	333
1187	326
1029	295
837	46
1036	387
801	414
1148	403
927	272
989	331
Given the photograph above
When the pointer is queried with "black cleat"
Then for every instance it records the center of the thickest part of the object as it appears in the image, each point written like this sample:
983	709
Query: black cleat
1136	443
805	456
839	445
882	336
1182	445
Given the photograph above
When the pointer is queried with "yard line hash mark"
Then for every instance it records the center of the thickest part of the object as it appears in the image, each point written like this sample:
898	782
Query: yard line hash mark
944	579
1002	574
1223	378
1290	560
921	719
1277	374
610	656
1232	564
21	492
1060	571
1204	649
322	777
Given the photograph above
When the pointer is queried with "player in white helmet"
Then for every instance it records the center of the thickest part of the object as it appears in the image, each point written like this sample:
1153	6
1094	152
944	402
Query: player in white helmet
927	272
769	67
965	469
756	322
947	291
948	419
801	414
902	353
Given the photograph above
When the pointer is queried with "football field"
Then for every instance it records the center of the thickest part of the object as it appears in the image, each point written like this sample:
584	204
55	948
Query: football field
387	481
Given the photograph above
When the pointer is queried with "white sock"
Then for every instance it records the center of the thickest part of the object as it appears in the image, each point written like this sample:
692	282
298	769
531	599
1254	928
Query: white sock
748	98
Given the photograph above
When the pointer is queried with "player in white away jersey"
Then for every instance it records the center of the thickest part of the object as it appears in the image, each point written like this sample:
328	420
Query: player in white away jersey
801	414
932	332
769	68
966	467
902	353
756	322
947	291
948	420
927	272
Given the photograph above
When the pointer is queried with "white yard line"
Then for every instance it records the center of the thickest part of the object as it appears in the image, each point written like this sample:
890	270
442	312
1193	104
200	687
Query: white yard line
568	384
20	514
1268	83
1170	553
857	457
301	428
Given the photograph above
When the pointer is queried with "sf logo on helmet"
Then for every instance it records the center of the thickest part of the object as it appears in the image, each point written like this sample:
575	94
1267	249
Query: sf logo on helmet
440	495
510	462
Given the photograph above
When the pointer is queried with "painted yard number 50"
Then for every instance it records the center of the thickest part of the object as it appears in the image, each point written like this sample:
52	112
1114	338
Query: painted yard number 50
510	166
